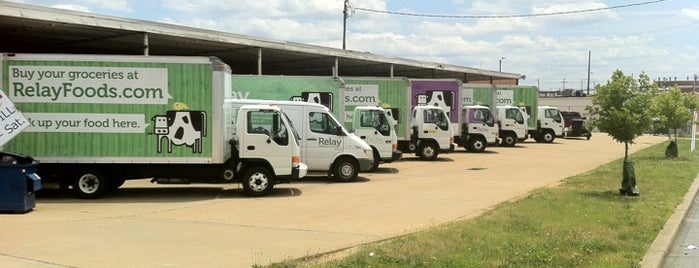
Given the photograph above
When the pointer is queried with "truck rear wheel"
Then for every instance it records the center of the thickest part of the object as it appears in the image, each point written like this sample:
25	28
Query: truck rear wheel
257	181
345	169
428	151
90	184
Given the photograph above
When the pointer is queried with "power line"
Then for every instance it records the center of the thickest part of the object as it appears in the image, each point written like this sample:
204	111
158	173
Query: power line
504	16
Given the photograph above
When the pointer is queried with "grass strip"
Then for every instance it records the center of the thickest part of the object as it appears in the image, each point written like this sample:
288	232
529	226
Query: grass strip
583	222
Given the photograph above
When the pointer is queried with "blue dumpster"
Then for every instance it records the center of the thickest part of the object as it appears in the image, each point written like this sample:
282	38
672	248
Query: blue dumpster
18	183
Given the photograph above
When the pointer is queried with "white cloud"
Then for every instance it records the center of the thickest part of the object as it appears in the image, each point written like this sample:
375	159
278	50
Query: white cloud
576	18
72	7
692	13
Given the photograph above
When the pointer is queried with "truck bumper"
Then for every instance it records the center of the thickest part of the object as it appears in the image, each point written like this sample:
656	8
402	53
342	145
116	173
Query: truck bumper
452	147
396	155
365	163
299	172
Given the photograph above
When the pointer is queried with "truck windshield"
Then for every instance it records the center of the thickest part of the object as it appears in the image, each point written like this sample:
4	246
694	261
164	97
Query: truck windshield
484	115
514	114
375	119
553	114
324	123
292	128
436	117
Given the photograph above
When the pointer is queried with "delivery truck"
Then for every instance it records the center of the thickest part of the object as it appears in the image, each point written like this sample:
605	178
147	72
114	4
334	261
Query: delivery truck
421	110
542	124
98	120
376	126
328	148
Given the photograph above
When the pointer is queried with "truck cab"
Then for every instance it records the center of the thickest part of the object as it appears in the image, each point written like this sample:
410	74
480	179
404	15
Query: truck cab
512	124
265	147
549	124
376	127
478	128
431	133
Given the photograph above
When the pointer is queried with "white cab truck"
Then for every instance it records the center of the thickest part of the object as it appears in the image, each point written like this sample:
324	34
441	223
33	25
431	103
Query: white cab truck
327	148
477	128
98	120
549	125
512	122
431	132
376	126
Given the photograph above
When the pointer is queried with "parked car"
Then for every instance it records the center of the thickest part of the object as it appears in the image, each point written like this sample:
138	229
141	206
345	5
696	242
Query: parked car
575	124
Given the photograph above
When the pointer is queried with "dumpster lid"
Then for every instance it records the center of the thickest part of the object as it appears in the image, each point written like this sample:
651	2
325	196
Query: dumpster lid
15	158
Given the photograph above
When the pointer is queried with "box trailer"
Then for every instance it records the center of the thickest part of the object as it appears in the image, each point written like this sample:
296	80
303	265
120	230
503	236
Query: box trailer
98	120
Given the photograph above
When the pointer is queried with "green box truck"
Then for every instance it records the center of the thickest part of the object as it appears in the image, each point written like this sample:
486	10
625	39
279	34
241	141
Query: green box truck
98	120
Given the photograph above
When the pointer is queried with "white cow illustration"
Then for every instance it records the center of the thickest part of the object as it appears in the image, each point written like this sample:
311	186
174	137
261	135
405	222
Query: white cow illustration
180	128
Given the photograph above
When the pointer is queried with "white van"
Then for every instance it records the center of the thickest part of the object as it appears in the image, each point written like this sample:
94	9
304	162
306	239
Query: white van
327	147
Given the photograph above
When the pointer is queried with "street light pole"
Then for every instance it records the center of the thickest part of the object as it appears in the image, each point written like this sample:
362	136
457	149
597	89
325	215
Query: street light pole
500	65
345	13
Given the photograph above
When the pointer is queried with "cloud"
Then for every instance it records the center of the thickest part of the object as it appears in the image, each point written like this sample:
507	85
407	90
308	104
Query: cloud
691	13
576	18
72	7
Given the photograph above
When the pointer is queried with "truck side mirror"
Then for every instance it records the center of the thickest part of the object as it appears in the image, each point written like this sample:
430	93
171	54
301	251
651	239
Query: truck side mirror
339	132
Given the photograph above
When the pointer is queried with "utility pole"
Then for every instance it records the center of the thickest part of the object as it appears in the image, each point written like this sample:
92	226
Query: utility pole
589	57
564	84
345	15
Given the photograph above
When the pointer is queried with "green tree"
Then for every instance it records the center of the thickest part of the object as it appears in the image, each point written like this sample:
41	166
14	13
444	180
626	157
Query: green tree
674	108
621	109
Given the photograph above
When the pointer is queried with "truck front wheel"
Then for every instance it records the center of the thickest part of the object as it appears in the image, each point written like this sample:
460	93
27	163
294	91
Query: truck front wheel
547	136
476	145
377	160
90	184
509	139
257	181
428	151
345	169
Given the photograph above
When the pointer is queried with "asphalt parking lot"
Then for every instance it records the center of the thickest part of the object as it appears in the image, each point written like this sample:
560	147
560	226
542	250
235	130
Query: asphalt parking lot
145	225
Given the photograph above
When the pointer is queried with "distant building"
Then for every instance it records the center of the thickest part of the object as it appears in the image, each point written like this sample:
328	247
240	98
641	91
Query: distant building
689	85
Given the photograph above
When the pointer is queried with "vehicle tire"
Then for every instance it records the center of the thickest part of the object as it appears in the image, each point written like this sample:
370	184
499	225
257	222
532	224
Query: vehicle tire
90	184
345	169
509	139
476	145
377	160
428	151
537	137
257	181
548	136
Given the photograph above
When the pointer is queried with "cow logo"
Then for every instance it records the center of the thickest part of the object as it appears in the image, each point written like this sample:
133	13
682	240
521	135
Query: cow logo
324	98
180	127
439	98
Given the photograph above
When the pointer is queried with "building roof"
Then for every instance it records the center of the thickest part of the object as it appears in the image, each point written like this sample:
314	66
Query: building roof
34	29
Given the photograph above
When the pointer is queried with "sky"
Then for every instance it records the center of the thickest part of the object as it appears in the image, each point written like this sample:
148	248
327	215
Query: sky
527	37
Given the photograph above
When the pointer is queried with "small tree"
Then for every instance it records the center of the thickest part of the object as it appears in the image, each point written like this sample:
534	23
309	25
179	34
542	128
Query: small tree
674	108
620	108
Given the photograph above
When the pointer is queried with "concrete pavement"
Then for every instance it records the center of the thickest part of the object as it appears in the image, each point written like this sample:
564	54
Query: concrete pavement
144	225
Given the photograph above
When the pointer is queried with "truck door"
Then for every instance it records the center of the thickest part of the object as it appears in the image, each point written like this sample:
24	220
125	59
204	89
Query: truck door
324	140
515	120
268	138
375	128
